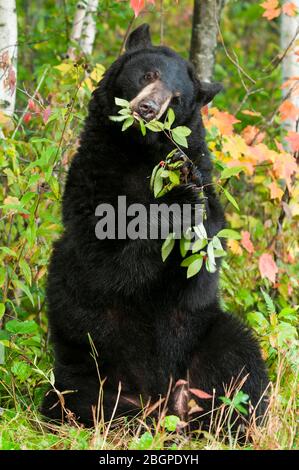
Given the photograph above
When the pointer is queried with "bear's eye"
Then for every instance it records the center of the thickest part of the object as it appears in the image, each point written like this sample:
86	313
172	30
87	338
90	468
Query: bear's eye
151	76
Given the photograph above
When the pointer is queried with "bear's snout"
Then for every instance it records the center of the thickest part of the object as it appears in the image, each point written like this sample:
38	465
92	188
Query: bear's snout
152	101
148	109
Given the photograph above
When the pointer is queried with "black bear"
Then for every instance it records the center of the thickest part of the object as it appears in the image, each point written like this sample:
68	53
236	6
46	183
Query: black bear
148	324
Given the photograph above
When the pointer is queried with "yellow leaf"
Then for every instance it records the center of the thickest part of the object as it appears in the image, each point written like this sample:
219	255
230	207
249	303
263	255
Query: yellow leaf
275	191
64	68
97	73
235	247
11	200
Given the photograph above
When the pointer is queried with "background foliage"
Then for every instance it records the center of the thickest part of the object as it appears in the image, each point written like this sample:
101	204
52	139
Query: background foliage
259	279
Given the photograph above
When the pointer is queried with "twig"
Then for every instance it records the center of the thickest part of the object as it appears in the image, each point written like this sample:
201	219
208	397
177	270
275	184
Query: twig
161	22
33	97
240	69
278	59
129	28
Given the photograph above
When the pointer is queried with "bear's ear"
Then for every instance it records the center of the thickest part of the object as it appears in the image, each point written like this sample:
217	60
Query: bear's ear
140	38
207	91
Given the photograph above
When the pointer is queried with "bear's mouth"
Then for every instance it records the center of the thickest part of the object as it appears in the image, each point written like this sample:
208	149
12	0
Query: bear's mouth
152	101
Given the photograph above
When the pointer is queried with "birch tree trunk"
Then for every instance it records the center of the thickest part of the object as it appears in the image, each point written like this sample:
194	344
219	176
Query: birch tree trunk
206	15
89	27
8	55
77	26
84	27
289	31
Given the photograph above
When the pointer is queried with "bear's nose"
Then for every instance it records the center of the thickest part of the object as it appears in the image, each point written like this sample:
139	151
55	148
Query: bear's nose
148	109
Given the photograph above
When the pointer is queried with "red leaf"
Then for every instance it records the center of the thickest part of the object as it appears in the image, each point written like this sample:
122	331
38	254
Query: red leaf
200	393
31	105
46	114
289	9
180	382
246	242
137	6
27	118
271	10
288	110
293	140
268	267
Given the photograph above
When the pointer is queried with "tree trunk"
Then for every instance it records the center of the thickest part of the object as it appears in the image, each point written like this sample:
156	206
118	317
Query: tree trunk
89	27
84	27
8	55
206	15
289	29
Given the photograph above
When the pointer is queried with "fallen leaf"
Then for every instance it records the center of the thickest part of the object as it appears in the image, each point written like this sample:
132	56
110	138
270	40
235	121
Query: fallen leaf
200	393
268	267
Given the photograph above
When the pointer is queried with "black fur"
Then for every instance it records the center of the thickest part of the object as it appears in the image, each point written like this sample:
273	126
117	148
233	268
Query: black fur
146	320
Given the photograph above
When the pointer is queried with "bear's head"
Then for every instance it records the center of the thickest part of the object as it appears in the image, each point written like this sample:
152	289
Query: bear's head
152	79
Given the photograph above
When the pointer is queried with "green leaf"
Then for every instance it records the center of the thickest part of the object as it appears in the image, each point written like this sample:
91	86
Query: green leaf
194	267
2	310
230	198
200	231
153	176
158	182
155	126
128	122
145	441
117	118
210	253
8	251
174	176
169	119
229	233
25	289
167	246
2	276
269	302
187	261
142	127
182	131
26	271
21	370
228	172
184	246
171	422
21	327
180	140
199	244
211	268
121	102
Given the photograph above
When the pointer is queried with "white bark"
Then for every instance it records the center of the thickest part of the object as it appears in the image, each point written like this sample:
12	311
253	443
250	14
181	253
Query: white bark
77	25
89	27
289	30
206	16
84	26
8	55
